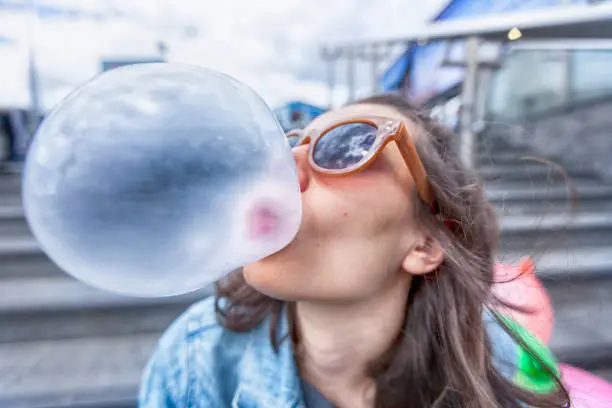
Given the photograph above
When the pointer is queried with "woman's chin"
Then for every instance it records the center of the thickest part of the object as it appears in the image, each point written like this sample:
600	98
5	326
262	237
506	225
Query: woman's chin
265	278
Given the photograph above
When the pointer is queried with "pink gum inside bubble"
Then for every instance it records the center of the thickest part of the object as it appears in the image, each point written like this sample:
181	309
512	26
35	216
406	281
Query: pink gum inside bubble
263	221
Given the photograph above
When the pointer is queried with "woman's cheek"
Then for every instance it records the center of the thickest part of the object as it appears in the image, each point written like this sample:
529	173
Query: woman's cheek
366	179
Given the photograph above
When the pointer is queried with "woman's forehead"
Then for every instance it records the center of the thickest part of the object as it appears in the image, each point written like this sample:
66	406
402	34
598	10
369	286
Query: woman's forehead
354	111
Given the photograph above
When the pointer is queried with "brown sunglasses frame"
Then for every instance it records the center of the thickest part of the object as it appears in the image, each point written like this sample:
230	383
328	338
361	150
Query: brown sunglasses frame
389	130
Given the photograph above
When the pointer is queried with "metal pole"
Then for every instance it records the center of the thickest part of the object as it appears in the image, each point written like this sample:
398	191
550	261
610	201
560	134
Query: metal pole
373	54
34	93
375	59
467	136
485	75
331	81
350	74
33	84
566	67
330	57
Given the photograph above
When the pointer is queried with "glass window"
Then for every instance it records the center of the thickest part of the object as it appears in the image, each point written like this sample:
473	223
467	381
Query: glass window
590	74
530	82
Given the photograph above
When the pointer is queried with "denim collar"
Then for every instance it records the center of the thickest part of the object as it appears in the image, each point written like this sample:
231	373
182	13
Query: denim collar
269	379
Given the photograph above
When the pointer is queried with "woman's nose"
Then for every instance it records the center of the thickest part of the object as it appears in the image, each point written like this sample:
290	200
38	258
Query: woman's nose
300	154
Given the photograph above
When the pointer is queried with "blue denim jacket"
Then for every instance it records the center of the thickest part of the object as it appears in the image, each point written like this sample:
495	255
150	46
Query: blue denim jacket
198	363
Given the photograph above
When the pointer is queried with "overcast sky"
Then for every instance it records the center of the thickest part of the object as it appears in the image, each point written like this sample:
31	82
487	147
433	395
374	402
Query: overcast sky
272	45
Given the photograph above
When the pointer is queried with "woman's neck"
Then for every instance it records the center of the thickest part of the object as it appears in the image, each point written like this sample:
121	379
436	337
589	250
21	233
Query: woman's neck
338	342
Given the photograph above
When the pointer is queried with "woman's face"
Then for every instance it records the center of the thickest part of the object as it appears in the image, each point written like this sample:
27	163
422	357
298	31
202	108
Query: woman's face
358	232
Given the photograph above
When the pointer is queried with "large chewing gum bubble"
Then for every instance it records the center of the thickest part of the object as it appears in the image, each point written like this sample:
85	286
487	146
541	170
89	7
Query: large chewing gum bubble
159	179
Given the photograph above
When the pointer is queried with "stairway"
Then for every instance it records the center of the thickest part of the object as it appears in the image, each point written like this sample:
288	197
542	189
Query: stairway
572	246
63	344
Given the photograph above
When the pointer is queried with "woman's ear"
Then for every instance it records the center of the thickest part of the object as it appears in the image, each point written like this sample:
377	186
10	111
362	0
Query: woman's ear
424	257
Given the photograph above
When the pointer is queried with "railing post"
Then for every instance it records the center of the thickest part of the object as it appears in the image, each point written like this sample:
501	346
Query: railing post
467	140
330	56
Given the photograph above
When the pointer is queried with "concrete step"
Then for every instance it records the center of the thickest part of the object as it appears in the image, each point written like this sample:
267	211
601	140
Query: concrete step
563	268
10	200
502	157
69	373
10	184
495	147
52	308
11	168
579	283
513	200
549	231
92	400
605	373
21	257
532	173
583	325
489	170
13	222
116	398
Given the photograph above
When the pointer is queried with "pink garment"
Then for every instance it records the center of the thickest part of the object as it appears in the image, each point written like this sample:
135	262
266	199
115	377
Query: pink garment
520	286
586	390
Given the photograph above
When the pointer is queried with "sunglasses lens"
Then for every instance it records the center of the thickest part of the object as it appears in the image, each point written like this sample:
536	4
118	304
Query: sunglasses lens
344	146
293	140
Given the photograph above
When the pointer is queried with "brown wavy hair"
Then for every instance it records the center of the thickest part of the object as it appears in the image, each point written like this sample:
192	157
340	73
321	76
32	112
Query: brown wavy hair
442	357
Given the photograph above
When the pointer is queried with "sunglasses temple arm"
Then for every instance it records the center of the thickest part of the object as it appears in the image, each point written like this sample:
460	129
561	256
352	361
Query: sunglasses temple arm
413	161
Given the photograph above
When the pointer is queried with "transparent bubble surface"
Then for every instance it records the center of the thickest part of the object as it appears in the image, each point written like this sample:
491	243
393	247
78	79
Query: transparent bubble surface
159	179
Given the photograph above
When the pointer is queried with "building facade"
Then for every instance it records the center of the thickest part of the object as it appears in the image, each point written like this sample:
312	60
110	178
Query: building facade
555	76
296	115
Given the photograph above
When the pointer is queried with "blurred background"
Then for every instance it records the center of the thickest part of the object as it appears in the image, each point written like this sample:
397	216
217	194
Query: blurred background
540	89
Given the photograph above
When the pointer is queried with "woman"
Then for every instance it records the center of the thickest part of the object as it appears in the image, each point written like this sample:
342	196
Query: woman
380	301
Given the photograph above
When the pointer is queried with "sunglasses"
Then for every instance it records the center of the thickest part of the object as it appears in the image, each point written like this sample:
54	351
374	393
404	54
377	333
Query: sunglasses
350	146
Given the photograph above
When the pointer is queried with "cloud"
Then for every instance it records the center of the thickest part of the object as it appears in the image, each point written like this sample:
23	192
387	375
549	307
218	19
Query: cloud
271	45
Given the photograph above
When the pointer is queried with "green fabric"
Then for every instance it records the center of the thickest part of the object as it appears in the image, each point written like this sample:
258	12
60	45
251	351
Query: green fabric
530	374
